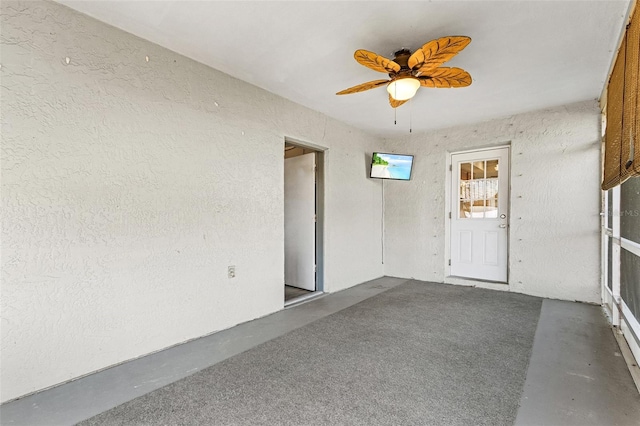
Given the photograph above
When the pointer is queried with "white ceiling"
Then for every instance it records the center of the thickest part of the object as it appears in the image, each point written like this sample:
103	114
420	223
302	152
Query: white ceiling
525	55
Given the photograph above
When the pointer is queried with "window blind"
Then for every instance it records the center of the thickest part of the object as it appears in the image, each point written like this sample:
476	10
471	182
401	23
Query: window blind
622	141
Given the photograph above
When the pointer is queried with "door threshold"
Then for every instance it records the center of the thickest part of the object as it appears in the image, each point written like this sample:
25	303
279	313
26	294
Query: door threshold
302	299
454	277
474	282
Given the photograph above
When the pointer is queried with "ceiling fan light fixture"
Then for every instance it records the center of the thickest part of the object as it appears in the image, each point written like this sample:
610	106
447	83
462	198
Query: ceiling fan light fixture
403	89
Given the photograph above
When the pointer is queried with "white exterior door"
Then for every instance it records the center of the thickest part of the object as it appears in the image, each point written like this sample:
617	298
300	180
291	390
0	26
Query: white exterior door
479	214
299	221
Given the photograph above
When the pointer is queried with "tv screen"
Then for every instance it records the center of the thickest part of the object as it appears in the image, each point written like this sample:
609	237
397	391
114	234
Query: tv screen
391	166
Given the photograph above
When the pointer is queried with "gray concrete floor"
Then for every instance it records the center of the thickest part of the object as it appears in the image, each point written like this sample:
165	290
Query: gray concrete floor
293	292
576	375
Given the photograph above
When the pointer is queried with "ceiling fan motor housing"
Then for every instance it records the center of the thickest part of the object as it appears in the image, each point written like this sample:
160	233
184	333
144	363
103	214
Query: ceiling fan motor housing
401	57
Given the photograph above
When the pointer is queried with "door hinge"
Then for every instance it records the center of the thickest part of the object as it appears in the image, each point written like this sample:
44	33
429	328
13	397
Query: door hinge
449	215
315	268
450	167
315	218
449	262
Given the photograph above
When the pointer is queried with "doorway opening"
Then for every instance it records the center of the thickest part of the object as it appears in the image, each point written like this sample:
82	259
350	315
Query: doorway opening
479	215
303	222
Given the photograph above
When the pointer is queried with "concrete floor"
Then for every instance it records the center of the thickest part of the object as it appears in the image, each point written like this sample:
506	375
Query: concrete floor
576	375
293	292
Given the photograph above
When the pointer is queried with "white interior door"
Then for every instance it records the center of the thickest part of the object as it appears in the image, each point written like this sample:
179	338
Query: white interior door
299	221
479	214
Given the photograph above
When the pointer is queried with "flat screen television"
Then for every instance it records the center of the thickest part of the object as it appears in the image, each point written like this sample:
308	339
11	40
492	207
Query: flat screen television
391	166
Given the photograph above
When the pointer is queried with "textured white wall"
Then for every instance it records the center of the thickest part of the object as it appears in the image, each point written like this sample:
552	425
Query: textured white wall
555	201
129	186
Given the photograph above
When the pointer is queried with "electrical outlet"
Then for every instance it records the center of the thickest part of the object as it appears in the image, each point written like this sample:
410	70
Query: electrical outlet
231	271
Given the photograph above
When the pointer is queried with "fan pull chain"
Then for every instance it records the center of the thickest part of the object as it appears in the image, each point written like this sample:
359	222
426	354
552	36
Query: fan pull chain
410	115
395	110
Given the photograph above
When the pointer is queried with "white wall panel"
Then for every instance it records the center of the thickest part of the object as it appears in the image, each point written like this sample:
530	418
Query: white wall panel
129	186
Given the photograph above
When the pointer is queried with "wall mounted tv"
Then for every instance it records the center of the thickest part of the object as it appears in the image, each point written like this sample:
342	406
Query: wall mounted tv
391	166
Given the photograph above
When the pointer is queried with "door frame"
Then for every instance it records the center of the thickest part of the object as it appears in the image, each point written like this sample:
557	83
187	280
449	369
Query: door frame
321	152
448	279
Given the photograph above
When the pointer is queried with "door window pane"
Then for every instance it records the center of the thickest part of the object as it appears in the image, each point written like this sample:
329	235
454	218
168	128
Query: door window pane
478	189
465	195
465	171
465	209
478	170
491	212
492	190
492	169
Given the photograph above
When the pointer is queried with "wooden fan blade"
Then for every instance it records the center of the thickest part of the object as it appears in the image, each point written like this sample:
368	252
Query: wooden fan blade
394	103
362	87
446	77
376	62
436	52
416	60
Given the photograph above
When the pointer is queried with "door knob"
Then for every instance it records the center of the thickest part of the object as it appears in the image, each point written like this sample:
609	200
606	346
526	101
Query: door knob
503	226
503	216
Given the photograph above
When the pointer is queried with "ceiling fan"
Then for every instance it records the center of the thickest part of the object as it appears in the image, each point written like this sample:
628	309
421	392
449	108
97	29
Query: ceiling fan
409	71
